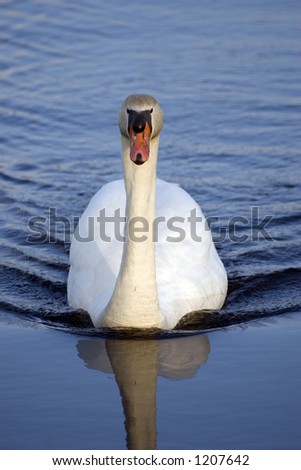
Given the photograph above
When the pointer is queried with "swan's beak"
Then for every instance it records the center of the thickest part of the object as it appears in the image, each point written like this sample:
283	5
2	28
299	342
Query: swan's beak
139	144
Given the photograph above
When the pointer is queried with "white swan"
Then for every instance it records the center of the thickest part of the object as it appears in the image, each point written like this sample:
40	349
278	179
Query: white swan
168	265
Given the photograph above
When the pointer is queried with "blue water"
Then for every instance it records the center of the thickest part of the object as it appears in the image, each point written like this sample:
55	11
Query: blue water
228	79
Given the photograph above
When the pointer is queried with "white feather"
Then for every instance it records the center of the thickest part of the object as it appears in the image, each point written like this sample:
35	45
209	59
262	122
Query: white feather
190	274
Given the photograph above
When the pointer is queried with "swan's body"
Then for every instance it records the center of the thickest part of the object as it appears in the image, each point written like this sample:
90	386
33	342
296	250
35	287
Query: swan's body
162	270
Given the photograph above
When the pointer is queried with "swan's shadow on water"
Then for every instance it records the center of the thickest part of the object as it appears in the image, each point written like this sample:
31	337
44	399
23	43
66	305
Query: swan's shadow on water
136	364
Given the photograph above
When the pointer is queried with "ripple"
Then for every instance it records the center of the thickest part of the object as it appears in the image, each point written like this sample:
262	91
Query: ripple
230	139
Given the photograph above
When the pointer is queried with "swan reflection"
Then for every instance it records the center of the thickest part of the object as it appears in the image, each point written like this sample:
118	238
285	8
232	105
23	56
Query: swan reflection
136	364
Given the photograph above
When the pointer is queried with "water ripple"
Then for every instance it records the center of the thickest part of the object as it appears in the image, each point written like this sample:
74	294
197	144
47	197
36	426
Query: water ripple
229	83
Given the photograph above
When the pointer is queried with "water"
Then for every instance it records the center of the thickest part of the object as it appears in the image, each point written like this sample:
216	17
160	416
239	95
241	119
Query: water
228	80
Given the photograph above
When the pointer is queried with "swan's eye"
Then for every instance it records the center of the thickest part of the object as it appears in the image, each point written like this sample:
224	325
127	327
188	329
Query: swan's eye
151	110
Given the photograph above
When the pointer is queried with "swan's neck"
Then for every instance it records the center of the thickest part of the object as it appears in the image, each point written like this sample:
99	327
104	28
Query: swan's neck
135	298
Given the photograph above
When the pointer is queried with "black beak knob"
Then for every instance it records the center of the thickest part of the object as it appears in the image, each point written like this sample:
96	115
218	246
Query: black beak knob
137	120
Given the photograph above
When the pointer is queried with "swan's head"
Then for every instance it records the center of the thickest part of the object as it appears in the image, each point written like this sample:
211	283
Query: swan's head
140	120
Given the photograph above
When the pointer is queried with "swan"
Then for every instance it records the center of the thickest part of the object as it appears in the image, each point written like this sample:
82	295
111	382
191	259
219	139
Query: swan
142	254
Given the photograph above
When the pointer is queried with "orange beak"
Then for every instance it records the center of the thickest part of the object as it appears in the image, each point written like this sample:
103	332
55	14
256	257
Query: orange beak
139	144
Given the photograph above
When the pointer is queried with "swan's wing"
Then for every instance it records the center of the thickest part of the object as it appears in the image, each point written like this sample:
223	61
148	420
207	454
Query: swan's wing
95	253
190	274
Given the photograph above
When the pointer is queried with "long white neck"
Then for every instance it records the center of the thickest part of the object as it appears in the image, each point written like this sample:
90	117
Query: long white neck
135	298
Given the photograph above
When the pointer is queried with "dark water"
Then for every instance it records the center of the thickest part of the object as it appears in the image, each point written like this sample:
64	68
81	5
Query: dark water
228	80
